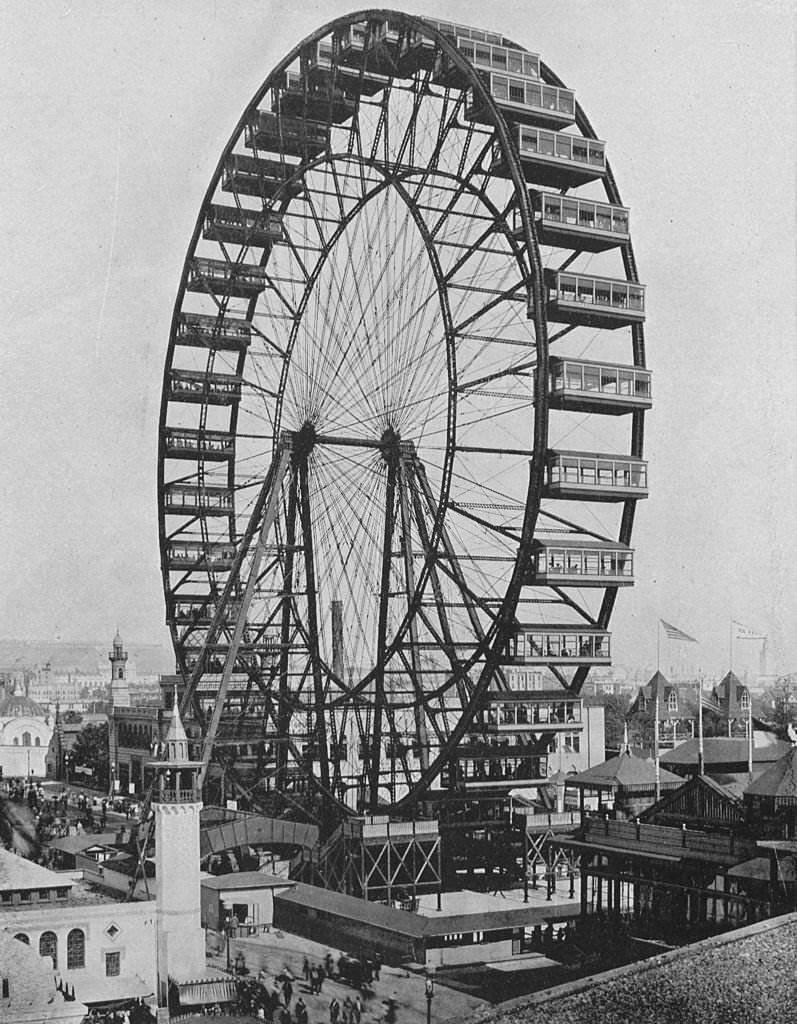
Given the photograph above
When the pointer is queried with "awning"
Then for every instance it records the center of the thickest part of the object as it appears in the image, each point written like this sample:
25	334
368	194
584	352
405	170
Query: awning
194	993
112	991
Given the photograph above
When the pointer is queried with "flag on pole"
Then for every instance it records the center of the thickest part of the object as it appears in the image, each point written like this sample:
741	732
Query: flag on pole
710	701
673	633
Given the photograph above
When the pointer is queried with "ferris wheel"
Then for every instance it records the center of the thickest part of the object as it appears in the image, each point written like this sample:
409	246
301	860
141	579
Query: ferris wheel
402	415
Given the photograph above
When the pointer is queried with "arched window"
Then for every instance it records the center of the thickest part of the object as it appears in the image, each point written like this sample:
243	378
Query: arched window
16	741
672	701
48	946
37	742
25	739
22	938
75	949
745	701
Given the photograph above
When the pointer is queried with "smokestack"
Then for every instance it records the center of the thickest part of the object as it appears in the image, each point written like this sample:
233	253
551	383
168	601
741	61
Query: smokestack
337	638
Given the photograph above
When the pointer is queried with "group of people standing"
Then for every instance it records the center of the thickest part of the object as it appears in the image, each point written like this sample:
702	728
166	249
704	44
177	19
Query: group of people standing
350	1011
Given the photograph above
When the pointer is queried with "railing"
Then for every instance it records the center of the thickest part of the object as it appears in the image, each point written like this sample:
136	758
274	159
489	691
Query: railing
664	837
554	820
176	796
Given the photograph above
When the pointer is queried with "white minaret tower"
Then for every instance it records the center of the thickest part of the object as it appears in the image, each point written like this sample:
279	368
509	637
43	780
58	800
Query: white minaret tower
120	688
177	803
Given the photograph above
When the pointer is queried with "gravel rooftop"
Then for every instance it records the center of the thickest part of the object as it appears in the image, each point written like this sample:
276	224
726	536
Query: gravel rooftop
744	977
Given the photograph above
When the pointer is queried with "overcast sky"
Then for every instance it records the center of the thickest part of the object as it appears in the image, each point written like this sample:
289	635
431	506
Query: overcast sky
113	118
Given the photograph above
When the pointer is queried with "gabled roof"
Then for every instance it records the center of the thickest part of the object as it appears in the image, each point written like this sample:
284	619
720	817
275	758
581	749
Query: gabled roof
18	873
625	771
245	880
730	692
78	844
699	797
659	687
779	780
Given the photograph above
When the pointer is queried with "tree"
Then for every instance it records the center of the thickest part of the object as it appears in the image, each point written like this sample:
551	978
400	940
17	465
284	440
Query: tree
91	751
780	702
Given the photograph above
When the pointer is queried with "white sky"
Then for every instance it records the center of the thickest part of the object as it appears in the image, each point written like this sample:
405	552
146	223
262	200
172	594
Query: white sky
113	117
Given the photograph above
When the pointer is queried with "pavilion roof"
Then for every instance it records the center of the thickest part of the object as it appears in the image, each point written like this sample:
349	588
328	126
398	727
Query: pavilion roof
779	780
625	771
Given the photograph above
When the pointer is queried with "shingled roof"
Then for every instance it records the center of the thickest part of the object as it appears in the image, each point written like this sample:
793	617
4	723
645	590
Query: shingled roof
624	771
779	780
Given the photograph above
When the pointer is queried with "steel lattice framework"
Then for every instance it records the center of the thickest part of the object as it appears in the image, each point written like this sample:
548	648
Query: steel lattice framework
388	400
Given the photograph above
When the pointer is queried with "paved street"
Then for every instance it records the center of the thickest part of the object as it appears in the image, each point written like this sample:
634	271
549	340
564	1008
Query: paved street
276	950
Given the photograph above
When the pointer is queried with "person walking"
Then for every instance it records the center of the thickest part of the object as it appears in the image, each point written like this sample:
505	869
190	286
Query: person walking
301	1011
321	974
356	1009
334	1011
287	992
346	1012
306	969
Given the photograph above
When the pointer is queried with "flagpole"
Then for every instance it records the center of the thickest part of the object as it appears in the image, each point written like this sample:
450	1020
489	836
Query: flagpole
749	736
730	647
700	754
658	647
656	745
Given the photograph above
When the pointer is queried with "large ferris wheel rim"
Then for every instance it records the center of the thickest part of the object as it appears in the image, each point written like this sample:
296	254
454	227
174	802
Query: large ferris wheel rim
533	280
489	645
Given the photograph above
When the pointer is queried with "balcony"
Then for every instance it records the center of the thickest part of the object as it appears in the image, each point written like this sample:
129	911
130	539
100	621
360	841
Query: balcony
302	97
487	52
292	136
195	499
198	387
559	645
568	222
242	227
580	385
586	476
580	563
587	301
555	158
527	715
221	277
198	330
186	555
208	445
252	176
525	101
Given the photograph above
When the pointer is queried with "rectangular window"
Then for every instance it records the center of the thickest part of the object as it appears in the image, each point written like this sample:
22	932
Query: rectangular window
516	93
44	895
570	211
567	288
532	95
586	289
609	380
546	143
531	65
592	378
500	87
565	147
620	222
572	379
552	209
24	896
113	965
514	61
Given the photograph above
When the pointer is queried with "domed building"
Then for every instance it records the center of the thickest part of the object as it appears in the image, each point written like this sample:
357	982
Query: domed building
25	731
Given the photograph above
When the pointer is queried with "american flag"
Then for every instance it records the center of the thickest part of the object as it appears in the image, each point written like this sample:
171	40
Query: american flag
673	633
